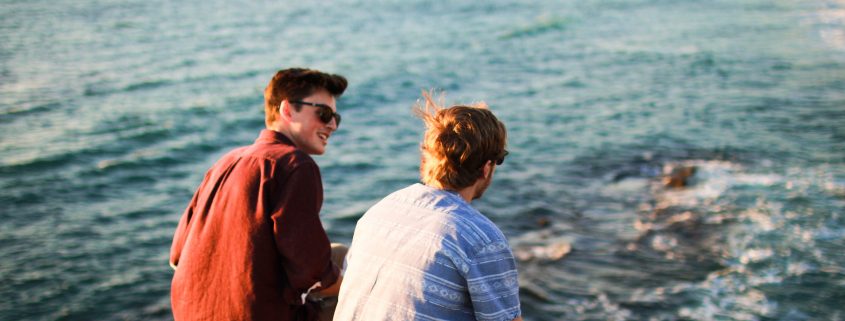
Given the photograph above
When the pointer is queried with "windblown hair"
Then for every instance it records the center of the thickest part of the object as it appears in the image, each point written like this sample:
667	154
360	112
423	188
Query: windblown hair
296	84
458	142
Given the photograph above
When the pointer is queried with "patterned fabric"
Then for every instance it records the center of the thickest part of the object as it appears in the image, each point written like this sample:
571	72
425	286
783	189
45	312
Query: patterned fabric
425	254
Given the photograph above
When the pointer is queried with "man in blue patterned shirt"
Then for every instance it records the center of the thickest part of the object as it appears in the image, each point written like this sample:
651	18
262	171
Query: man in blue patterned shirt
423	253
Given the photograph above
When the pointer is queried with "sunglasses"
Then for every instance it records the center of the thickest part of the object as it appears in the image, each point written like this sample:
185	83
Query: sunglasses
324	111
501	159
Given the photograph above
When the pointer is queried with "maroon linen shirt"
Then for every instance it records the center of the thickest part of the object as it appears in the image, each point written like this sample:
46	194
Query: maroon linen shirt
251	242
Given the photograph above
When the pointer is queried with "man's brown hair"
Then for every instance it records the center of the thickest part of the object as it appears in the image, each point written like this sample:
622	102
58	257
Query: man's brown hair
458	142
296	84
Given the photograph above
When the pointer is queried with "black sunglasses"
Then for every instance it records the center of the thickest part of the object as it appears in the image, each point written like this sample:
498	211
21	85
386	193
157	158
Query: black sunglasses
324	111
501	159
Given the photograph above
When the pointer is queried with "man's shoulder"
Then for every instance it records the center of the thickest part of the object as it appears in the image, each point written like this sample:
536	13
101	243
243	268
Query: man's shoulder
420	197
275	153
230	156
451	211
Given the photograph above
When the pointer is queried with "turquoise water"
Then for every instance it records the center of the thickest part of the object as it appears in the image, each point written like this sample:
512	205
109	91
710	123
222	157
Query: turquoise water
111	111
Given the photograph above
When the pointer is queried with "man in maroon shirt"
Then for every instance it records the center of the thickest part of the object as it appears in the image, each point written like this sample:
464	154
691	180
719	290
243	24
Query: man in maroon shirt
250	245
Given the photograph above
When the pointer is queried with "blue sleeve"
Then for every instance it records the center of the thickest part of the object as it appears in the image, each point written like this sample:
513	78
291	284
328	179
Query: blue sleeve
492	282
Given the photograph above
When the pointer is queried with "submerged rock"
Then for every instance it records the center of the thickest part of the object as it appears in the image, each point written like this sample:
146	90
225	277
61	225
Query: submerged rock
675	176
549	252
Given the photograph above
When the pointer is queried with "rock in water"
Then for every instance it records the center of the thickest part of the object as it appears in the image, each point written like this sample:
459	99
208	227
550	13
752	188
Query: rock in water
675	176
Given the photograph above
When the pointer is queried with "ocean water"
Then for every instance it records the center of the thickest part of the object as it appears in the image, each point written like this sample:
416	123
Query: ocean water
111	111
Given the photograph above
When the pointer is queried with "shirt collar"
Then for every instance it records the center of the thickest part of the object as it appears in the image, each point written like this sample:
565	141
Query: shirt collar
451	193
272	136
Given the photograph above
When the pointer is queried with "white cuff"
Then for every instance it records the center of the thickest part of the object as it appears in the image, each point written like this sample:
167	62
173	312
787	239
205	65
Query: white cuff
316	285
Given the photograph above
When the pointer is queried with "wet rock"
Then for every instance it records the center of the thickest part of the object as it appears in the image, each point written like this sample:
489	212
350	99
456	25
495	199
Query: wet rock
550	252
543	221
676	176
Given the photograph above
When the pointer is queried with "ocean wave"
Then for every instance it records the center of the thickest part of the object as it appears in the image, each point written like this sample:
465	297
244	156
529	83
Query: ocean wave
831	21
108	87
152	157
540	26
45	162
24	109
148	84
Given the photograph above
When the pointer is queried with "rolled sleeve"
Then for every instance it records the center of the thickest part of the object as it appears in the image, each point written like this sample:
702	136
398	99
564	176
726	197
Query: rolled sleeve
492	282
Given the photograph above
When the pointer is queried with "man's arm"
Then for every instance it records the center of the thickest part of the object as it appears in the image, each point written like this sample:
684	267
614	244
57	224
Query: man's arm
300	238
183	229
492	281
339	251
331	291
181	234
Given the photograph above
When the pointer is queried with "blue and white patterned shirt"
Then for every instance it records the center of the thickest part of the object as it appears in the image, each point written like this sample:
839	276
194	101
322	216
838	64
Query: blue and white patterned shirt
425	254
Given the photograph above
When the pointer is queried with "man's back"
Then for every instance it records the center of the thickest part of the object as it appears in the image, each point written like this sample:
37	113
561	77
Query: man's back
230	264
424	253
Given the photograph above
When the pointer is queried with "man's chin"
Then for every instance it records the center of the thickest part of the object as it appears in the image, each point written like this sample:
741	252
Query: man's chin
314	151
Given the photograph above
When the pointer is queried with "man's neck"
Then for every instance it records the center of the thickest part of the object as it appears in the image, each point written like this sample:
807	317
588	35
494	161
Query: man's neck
467	193
281	130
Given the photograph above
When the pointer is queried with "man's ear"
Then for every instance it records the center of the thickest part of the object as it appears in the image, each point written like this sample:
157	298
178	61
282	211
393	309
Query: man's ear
284	109
487	170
